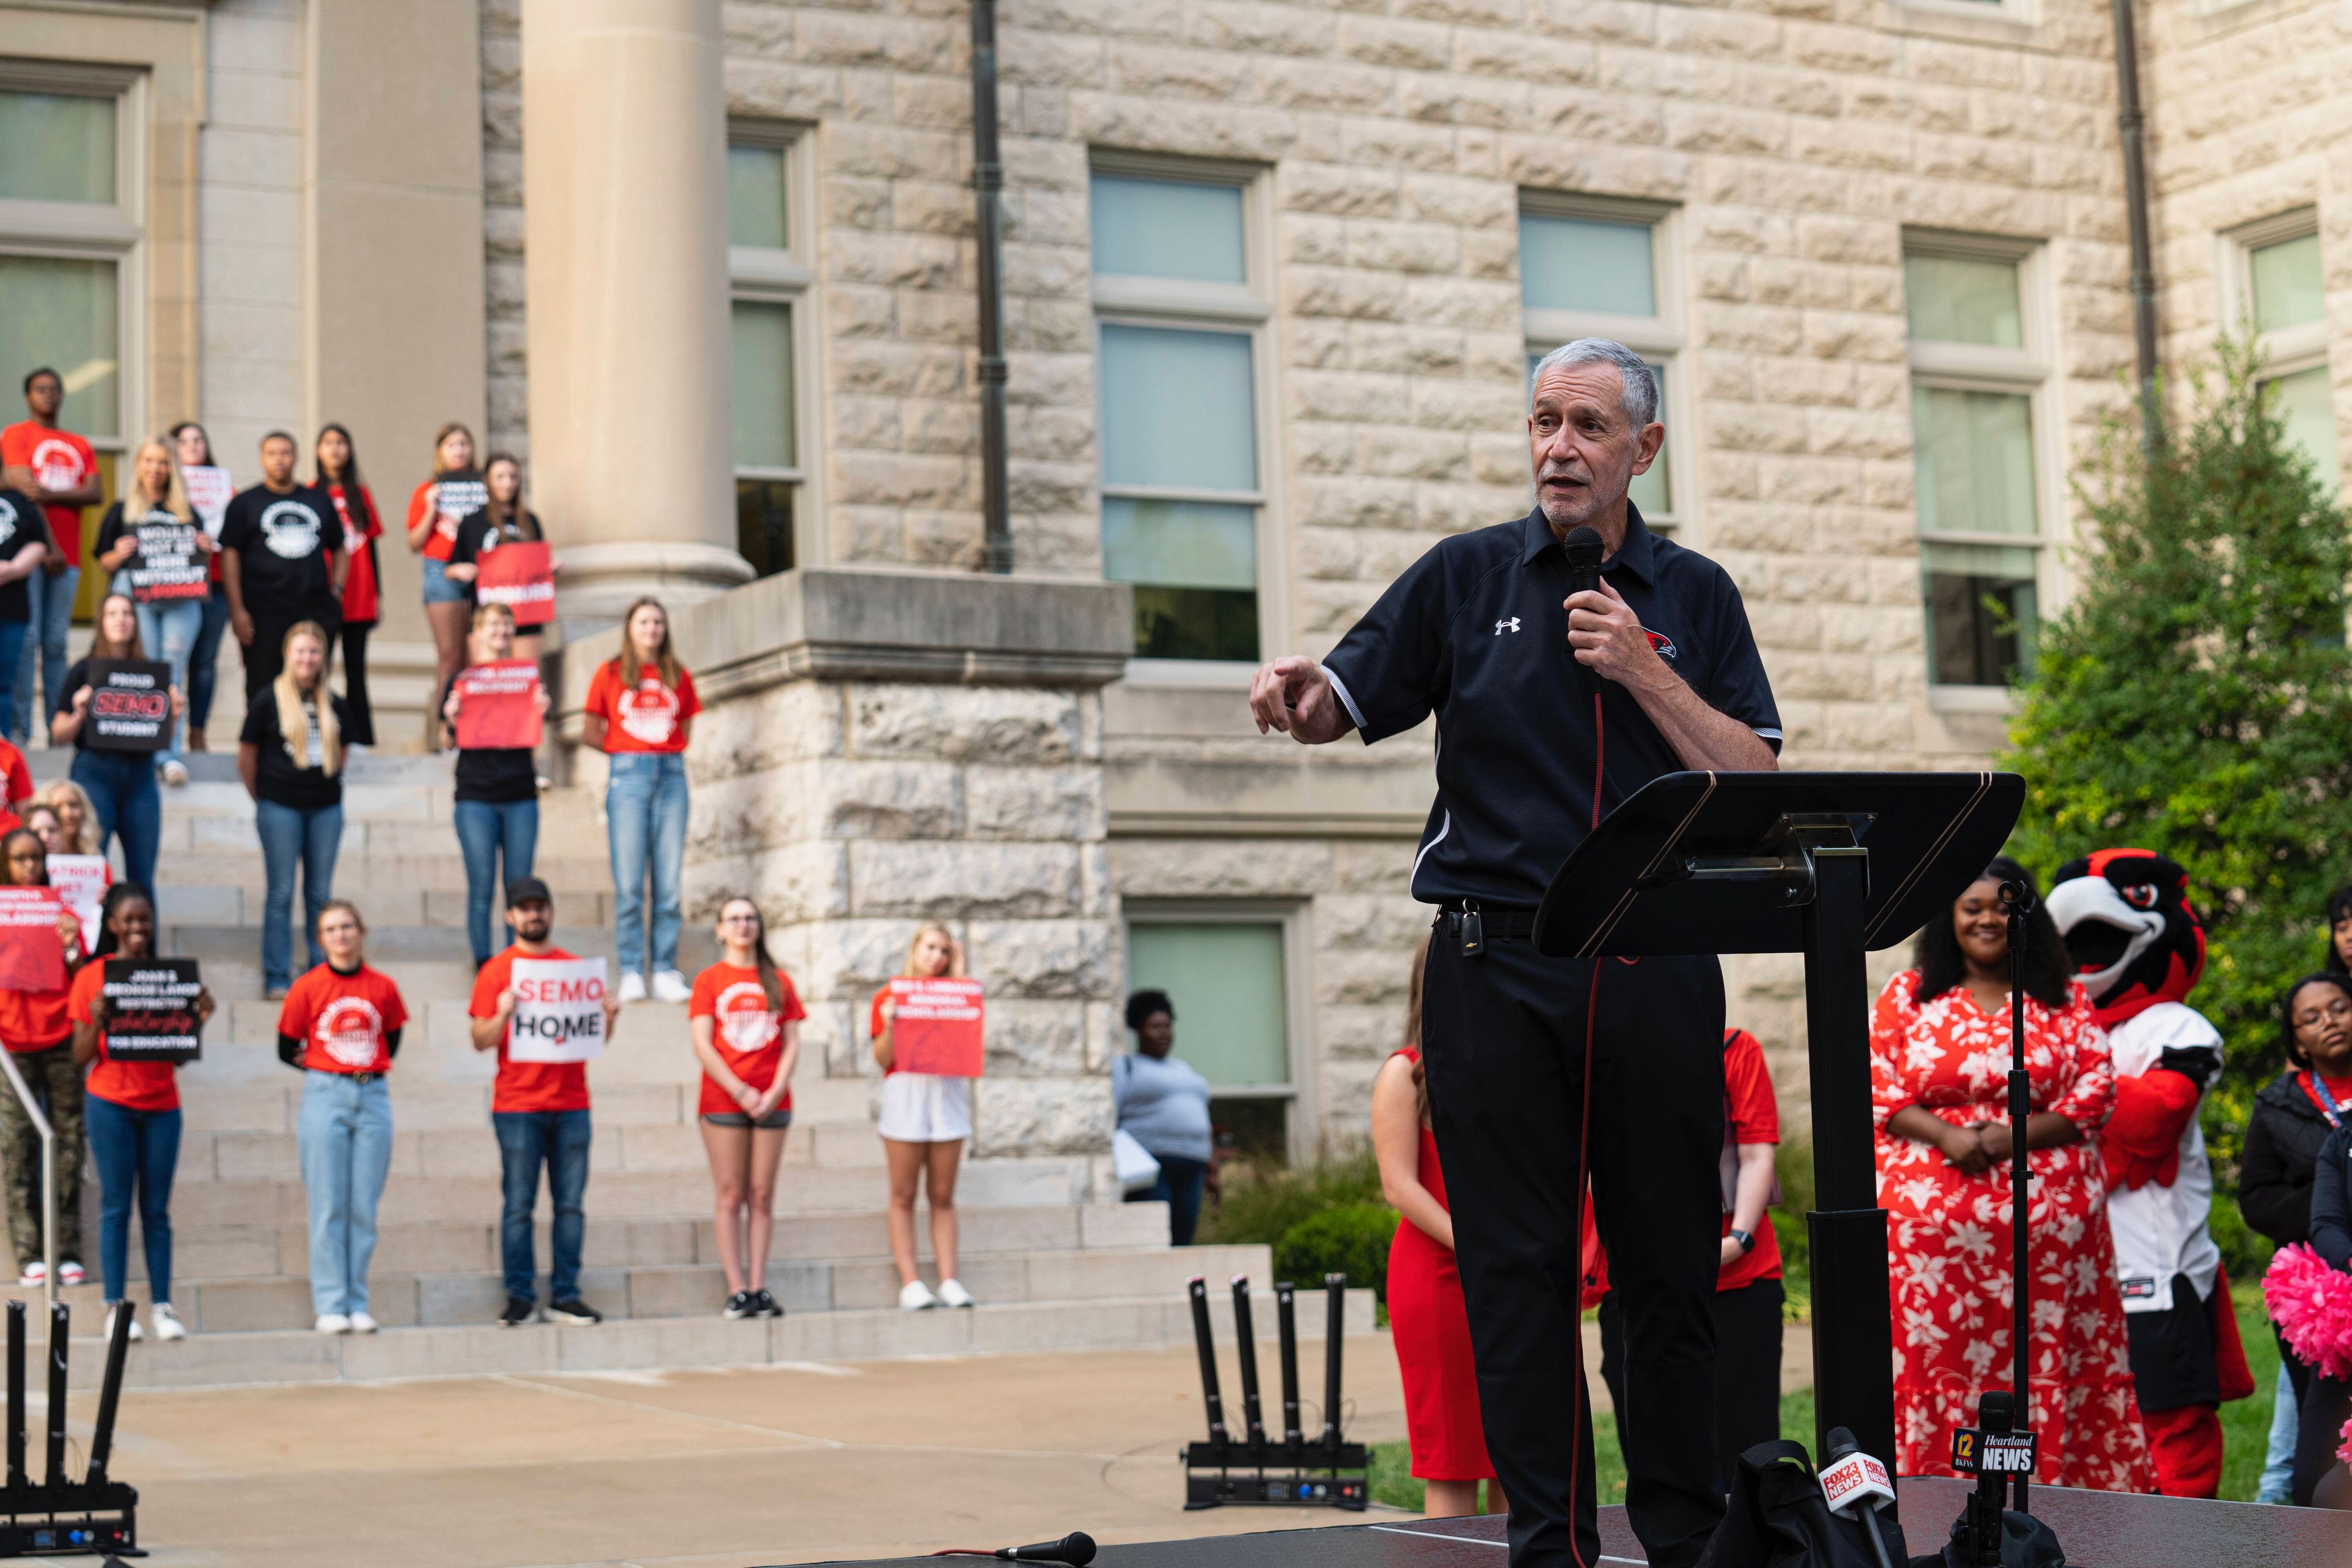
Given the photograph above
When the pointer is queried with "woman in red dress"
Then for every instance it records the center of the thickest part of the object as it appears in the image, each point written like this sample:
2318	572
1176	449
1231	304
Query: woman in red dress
1939	1051
1426	1317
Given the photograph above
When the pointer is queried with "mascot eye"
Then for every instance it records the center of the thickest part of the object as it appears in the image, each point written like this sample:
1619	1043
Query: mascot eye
2140	897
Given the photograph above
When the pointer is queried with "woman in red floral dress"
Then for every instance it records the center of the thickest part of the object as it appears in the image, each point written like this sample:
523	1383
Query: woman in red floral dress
1939	1066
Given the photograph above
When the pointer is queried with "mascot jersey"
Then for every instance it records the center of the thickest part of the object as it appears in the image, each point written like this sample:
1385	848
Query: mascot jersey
2138	949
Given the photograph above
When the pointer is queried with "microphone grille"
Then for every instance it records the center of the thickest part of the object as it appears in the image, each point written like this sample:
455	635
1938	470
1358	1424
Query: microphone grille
1582	546
1842	1443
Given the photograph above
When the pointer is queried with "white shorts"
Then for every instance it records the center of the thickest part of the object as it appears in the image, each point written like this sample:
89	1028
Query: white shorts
924	1108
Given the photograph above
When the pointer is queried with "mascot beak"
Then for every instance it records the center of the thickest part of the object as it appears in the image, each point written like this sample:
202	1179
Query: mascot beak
2102	930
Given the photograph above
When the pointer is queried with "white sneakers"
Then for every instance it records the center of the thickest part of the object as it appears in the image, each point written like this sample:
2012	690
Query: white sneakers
167	1322
632	987
363	1324
669	986
35	1273
136	1331
332	1323
69	1273
916	1297
176	773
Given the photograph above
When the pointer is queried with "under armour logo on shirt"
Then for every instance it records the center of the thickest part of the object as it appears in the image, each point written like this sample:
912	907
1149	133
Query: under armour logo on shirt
1512	623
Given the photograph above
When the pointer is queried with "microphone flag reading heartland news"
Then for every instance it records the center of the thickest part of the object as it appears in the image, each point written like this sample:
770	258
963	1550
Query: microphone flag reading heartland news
1583	547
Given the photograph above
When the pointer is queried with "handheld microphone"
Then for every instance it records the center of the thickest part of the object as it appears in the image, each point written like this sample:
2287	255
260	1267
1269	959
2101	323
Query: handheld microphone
1075	1549
1857	1487
1583	547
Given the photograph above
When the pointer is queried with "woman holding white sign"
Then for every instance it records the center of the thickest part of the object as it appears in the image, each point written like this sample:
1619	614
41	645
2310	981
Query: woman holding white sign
120	784
133	1109
746	1018
37	1034
290	756
208	488
155	549
450	492
925	1119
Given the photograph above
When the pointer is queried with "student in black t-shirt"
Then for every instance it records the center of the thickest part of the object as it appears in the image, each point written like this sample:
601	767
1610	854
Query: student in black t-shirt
505	520
497	810
282	560
24	546
154	549
290	755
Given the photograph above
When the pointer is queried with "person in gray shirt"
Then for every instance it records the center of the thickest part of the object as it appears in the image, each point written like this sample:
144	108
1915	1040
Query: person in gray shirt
1163	1104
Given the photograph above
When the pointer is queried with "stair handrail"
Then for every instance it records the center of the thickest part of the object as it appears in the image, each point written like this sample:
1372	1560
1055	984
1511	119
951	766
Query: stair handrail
49	1177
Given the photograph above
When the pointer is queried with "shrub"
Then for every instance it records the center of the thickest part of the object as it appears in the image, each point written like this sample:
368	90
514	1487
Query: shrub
1262	1203
1351	1239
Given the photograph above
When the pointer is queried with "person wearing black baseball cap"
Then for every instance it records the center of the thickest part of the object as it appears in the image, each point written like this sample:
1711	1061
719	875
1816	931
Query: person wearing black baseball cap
539	1110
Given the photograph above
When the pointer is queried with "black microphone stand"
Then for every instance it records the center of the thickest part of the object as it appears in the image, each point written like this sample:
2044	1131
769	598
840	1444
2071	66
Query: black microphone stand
2017	900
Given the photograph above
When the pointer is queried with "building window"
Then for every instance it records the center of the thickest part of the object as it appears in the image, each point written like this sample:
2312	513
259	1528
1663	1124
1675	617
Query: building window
1227	977
1180	308
2281	298
70	251
1594	269
1977	371
769	266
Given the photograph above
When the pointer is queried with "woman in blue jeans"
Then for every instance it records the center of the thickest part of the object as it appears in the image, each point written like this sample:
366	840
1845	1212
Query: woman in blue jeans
497	811
195	450
132	1112
639	712
120	784
148	543
290	756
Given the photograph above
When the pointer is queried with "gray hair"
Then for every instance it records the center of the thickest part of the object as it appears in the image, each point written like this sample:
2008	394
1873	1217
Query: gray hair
1640	398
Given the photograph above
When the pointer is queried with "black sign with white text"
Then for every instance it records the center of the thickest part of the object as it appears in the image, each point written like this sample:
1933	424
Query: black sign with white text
151	1010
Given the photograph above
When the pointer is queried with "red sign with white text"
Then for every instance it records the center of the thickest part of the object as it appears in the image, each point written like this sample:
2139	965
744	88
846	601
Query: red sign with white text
32	954
521	576
936	1026
497	706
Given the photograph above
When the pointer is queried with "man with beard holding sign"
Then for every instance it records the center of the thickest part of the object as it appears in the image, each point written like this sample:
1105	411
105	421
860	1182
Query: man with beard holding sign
1552	707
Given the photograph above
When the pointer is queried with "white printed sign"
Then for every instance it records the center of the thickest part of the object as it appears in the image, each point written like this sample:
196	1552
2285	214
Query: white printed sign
209	492
80	882
558	1011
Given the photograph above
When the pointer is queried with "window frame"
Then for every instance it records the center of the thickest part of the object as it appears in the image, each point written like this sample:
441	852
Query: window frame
1124	299
1663	338
2284	351
1302	1093
766	276
91	231
2026	369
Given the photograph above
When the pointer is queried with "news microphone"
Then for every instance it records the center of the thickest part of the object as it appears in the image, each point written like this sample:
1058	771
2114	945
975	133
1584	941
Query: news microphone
1583	547
1857	1487
1075	1549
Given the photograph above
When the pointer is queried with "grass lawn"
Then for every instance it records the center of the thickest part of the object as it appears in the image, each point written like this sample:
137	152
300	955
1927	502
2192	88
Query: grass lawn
2245	1425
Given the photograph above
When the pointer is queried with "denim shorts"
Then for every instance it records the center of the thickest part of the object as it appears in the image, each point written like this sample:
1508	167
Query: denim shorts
439	588
775	1118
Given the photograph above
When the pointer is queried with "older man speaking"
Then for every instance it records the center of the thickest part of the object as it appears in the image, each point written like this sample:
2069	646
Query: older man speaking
1551	707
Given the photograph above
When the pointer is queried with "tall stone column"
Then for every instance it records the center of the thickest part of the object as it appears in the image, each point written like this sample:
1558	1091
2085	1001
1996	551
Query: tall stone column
624	178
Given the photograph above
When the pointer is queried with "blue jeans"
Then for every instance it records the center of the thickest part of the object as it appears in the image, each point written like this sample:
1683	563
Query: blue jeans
292	837
489	832
44	634
526	1139
644	810
1179	1187
204	663
344	1134
168	631
2278	1464
142	1146
121	788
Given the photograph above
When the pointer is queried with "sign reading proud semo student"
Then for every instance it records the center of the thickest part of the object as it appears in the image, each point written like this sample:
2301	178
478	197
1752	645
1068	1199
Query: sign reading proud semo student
151	1010
130	705
936	1026
558	1011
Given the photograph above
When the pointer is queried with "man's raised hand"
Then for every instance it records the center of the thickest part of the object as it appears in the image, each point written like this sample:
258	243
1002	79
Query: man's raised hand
1294	695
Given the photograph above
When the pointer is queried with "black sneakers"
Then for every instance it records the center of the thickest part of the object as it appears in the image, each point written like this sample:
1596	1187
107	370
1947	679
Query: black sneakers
518	1312
575	1310
765	1306
739	1305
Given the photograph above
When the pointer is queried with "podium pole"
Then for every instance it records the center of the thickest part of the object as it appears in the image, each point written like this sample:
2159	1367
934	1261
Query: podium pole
1853	1357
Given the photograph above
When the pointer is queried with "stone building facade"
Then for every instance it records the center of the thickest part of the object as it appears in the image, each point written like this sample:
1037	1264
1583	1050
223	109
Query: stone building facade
1876	247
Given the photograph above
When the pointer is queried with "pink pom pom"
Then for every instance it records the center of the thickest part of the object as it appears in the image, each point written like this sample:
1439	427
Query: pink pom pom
2345	1453
2312	1305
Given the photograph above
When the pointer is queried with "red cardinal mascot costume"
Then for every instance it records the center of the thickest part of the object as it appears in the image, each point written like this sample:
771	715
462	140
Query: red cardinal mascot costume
2139	950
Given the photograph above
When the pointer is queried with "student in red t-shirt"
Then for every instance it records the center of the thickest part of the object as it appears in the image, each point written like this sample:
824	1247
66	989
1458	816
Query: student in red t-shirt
134	1110
16	783
640	711
340	1028
339	475
60	469
746	1019
541	1113
450	492
1748	1294
35	1031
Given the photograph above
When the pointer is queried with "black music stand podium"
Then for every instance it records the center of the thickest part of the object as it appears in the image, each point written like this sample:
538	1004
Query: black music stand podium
1832	866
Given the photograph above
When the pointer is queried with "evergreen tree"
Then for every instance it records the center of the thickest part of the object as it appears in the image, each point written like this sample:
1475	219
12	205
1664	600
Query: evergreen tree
2192	698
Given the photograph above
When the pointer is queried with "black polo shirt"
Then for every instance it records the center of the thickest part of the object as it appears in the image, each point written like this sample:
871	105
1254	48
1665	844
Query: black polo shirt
1476	633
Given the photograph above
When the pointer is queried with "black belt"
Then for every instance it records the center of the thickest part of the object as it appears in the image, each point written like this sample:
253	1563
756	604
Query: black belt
1504	923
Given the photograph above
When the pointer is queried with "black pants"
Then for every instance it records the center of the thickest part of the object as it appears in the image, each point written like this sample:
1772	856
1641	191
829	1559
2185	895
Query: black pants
1506	1039
1747	1369
361	731
2326	1405
265	656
